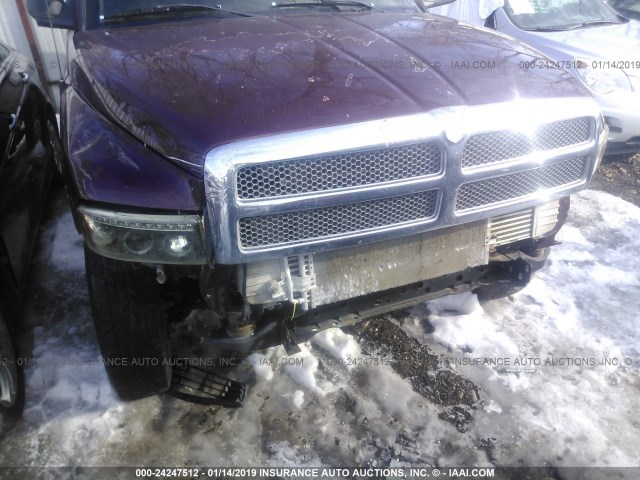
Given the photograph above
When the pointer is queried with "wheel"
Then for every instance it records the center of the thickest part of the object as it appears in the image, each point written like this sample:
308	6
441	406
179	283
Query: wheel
11	380
131	325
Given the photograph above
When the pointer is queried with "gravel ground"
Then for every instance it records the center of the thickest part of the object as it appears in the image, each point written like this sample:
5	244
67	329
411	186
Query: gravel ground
620	176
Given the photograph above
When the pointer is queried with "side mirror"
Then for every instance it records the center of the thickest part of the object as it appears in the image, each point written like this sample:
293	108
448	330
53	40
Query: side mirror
53	13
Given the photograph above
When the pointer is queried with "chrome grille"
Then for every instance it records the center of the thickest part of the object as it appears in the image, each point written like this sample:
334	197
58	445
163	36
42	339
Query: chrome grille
563	134
342	170
493	147
305	225
508	187
322	189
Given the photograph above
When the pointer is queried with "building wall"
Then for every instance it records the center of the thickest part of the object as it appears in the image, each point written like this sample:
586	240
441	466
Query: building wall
12	33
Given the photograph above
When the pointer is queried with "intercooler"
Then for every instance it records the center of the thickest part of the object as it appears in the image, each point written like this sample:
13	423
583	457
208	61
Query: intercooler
336	275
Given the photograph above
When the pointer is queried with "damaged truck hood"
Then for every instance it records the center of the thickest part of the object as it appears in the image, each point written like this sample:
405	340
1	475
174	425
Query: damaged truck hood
185	87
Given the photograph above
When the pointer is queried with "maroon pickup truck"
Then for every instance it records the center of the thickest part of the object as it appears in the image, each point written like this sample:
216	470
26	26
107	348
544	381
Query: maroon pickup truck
279	168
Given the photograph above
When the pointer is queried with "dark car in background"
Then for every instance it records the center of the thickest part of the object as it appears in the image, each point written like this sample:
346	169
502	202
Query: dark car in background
249	173
29	149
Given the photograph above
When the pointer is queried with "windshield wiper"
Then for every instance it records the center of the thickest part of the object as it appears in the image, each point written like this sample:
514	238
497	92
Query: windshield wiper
548	29
168	9
573	27
597	22
335	4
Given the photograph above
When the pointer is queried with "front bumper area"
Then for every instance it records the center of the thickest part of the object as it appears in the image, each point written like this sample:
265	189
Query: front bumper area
280	327
621	115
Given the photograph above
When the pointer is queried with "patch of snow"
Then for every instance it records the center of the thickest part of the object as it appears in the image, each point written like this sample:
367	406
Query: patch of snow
261	366
304	372
298	398
66	250
463	304
338	344
460	323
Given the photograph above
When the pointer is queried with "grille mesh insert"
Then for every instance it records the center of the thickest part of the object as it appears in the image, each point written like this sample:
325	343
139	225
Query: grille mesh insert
493	147
303	225
494	190
330	172
563	133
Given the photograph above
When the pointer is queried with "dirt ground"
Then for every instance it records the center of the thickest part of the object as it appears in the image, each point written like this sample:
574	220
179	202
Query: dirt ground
620	176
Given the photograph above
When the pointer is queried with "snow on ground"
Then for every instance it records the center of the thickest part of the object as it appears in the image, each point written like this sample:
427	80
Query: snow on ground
582	308
313	409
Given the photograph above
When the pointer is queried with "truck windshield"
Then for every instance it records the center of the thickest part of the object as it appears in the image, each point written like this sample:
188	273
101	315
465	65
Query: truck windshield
105	12
552	15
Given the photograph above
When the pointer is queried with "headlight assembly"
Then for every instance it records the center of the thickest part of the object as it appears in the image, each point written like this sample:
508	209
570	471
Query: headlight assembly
175	239
602	80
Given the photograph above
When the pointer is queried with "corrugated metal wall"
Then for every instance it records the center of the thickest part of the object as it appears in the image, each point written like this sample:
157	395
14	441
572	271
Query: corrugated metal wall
12	33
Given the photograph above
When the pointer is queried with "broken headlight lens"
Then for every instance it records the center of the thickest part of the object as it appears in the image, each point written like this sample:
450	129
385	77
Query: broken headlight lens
144	238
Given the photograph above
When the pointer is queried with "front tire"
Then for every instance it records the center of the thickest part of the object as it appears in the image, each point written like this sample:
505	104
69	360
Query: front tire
11	380
131	325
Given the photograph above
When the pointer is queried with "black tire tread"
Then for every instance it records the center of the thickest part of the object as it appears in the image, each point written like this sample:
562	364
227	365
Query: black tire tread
131	323
9	416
